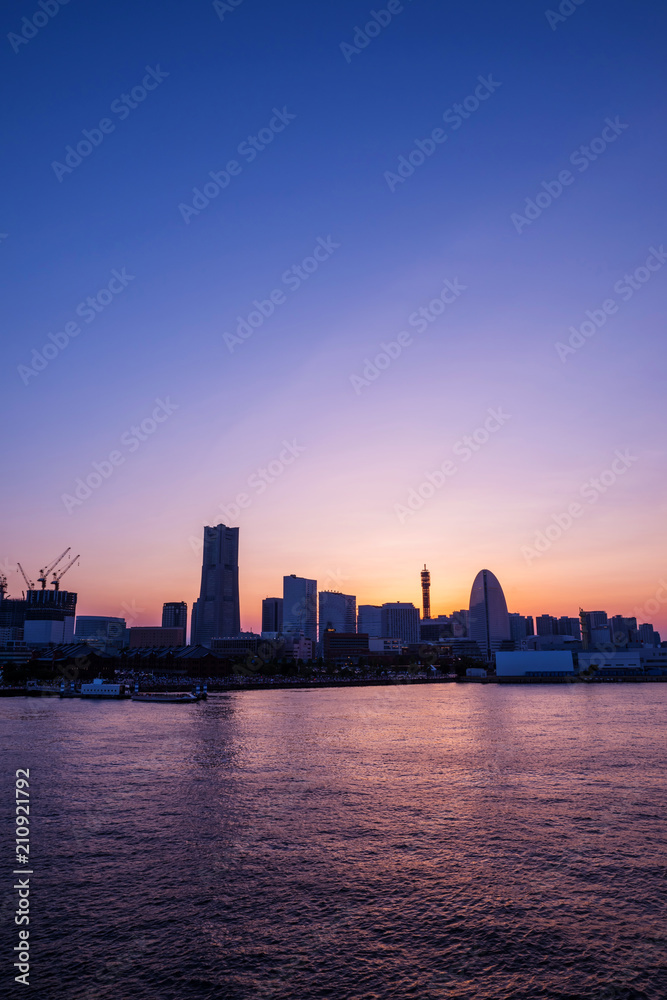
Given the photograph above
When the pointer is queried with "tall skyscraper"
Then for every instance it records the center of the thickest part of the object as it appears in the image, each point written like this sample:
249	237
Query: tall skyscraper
175	615
569	626
426	593
337	611
272	614
369	620
300	606
521	627
488	621
400	621
216	614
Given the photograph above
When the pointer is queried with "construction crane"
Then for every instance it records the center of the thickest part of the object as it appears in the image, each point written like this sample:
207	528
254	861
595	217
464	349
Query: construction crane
29	584
43	573
57	577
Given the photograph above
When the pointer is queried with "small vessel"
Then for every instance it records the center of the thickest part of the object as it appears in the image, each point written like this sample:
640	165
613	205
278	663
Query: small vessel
101	688
169	697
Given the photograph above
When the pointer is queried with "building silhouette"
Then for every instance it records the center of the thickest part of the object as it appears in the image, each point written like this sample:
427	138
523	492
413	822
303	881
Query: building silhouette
400	621
300	606
369	620
175	615
216	613
272	614
337	611
488	620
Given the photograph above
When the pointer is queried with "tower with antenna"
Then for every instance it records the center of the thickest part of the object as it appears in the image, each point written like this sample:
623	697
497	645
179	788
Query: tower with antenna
426	593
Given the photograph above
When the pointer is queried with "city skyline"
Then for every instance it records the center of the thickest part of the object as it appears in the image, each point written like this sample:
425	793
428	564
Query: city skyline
251	621
326	447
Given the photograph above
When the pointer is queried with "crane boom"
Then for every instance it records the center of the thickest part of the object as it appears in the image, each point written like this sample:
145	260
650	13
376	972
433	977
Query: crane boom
57	577
43	573
29	585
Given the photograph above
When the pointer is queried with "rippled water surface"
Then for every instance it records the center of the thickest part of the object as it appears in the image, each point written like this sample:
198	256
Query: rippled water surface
456	841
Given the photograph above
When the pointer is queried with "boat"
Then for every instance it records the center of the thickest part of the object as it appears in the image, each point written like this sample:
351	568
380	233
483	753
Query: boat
100	688
168	697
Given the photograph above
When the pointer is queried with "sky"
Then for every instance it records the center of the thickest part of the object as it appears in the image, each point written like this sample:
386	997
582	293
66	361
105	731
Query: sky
516	423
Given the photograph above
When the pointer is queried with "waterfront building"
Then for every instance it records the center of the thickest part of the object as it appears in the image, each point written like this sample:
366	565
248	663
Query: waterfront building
300	606
175	615
101	632
155	637
337	611
400	621
272	615
488	622
369	619
521	626
217	612
337	645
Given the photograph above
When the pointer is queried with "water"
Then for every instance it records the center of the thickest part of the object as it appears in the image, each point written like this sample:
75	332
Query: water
435	842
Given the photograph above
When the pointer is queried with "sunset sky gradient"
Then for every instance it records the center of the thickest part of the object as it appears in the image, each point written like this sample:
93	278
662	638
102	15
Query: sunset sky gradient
331	513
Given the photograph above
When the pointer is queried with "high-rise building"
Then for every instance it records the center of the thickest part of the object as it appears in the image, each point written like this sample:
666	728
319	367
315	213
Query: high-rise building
300	606
569	626
546	625
521	626
624	631
216	613
337	611
272	614
175	615
400	621
369	620
488	622
648	636
426	593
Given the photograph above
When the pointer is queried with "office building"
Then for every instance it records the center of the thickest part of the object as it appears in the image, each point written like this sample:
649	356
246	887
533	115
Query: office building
337	611
175	615
400	621
217	613
155	637
272	615
521	626
336	645
102	632
369	620
459	620
300	607
488	621
546	625
569	626
647	635
434	629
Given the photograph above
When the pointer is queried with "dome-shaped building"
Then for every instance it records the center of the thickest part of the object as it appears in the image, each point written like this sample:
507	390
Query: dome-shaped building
488	620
